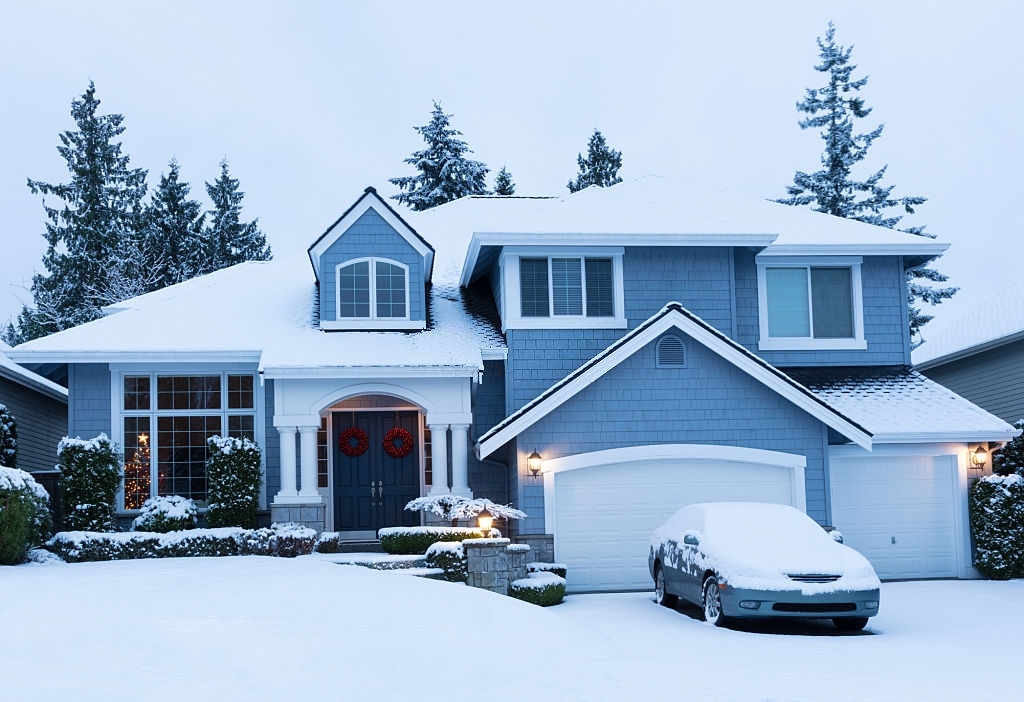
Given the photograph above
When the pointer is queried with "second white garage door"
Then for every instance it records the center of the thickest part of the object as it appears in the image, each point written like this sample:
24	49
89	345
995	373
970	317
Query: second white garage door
603	515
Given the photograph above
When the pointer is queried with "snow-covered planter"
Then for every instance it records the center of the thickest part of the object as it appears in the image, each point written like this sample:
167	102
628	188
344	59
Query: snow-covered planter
450	557
164	514
416	540
558	569
24	515
544	589
8	438
997	525
90	478
233	482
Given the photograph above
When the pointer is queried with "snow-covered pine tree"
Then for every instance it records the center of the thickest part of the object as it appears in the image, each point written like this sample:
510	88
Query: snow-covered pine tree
8	438
227	239
445	174
1010	458
100	208
503	183
600	167
833	108
172	236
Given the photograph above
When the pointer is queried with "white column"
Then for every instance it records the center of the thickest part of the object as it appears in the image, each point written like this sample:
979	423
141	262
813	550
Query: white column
439	458
460	465
307	443
287	462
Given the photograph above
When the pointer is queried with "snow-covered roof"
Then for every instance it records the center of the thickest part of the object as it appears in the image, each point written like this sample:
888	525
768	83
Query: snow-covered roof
12	371
899	405
997	321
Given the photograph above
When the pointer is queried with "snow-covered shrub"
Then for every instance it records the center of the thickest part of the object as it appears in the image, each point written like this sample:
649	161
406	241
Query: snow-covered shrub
291	540
1010	458
233	482
544	589
416	540
997	525
453	507
90	477
450	557
328	542
558	569
164	514
8	438
24	514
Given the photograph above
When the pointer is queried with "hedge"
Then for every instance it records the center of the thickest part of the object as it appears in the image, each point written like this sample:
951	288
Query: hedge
416	540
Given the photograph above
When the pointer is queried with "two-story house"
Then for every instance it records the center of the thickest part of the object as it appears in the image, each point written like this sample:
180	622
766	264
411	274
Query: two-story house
648	345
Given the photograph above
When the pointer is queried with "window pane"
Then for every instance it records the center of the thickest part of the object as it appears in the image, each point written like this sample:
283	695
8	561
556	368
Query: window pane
567	286
136	392
788	312
240	392
321	454
354	290
832	303
185	392
390	290
599	287
533	287
136	462
242	426
181	458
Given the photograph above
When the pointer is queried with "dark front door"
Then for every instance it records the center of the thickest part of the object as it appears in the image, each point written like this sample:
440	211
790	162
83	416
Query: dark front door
372	489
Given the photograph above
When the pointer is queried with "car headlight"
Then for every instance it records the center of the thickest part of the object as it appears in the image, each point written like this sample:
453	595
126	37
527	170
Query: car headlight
871	604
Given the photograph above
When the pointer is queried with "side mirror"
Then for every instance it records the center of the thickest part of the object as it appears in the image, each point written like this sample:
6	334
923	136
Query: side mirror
691	539
836	535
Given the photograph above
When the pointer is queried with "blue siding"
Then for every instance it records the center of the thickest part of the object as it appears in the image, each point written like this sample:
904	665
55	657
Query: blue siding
88	400
272	443
489	478
370	235
993	379
42	421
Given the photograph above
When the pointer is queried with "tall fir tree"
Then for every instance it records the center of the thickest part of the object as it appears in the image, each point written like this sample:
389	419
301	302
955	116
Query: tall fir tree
445	174
172	236
100	209
503	183
834	189
228	240
600	167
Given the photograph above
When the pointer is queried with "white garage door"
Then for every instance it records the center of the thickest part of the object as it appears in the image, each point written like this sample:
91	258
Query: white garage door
604	515
900	512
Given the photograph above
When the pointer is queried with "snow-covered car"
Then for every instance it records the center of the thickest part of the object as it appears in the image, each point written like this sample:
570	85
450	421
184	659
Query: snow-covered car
752	559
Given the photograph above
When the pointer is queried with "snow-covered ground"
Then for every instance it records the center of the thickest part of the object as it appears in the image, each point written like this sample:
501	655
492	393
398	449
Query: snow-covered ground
257	628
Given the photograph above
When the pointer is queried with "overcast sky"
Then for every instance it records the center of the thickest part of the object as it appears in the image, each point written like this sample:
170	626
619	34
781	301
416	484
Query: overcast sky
311	102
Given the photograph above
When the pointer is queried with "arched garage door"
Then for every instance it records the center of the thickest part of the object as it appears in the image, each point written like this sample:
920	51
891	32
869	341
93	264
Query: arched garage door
602	507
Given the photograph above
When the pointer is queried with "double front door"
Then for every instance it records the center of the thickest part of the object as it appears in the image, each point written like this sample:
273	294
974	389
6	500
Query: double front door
374	482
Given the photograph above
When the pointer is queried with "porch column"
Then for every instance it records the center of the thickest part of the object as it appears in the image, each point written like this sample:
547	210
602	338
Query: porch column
439	459
307	443
287	462
460	464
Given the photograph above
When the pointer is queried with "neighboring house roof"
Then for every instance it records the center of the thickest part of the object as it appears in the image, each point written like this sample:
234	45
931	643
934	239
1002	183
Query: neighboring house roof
673	315
997	321
899	405
12	371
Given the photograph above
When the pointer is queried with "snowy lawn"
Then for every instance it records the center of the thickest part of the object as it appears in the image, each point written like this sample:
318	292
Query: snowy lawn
258	628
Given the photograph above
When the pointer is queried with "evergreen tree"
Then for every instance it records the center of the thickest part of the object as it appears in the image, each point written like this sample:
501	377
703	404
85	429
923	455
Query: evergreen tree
600	167
172	238
833	108
503	183
1010	458
445	174
100	209
228	239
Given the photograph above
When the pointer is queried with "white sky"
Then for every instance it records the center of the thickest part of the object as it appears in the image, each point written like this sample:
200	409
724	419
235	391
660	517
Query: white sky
311	102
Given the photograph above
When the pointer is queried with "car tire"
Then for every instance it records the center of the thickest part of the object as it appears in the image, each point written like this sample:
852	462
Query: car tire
713	603
850	623
660	595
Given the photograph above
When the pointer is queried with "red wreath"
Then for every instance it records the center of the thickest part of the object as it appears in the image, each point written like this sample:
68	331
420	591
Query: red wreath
404	445
345	442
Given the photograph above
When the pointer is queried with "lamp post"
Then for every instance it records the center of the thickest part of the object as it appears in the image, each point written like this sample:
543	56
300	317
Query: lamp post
485	520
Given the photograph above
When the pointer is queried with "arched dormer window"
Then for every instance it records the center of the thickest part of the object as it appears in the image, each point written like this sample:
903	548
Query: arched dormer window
373	289
671	352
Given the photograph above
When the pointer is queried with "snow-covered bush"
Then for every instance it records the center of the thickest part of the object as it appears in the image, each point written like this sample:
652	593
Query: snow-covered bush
90	477
544	589
453	507
166	513
558	569
8	438
291	540
997	525
450	557
1010	458
328	542
416	540
24	515
233	482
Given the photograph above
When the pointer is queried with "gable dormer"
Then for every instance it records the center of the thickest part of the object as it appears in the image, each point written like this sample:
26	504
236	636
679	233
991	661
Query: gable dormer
372	270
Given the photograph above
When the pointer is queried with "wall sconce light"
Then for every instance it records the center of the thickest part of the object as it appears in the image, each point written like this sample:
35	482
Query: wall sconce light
535	462
979	457
485	520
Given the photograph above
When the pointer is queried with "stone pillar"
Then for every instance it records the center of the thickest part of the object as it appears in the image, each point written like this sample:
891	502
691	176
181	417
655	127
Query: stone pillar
307	443
460	460
494	564
439	458
287	462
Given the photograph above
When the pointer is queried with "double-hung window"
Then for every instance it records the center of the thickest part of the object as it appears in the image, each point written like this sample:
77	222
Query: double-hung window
810	304
373	289
565	290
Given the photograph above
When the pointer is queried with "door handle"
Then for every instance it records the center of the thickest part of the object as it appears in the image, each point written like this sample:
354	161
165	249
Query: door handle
380	492
372	484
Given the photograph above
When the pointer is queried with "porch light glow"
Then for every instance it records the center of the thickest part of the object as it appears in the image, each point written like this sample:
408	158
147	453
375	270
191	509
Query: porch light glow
485	520
979	457
535	462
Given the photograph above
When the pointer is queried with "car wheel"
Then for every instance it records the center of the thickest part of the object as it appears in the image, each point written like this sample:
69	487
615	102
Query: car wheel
850	623
713	602
660	596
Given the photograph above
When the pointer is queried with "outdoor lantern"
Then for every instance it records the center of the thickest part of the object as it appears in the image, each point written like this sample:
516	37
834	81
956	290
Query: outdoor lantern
485	520
979	457
534	462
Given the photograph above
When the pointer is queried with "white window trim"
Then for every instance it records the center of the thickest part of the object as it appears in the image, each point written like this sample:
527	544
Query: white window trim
511	310
807	343
342	322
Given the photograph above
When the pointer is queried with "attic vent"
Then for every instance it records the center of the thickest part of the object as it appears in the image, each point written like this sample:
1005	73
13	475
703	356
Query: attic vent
671	352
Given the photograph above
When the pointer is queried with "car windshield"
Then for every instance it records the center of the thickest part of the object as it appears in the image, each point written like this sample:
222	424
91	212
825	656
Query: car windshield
754	524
